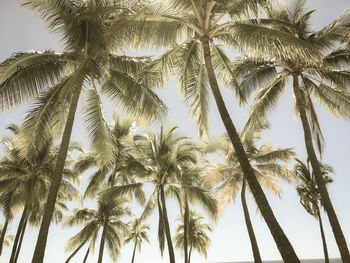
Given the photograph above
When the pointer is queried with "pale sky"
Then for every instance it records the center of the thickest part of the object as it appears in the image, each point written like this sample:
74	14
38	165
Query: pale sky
21	30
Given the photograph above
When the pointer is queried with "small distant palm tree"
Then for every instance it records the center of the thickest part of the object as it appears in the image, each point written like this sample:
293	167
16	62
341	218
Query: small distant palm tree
137	235
309	195
268	164
197	236
107	217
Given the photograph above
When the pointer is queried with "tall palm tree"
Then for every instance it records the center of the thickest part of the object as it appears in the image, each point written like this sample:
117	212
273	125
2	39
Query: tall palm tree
138	235
198	60
267	161
197	236
310	196
89	63
107	217
158	159
27	180
327	79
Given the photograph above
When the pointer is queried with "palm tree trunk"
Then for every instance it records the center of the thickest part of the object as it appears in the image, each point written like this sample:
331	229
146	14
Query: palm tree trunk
134	252
253	242
20	241
86	255
76	250
3	233
167	228
326	201
19	231
285	248
102	243
40	246
186	220
189	254
324	243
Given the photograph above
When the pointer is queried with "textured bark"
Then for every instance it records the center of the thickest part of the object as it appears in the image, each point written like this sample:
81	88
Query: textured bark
285	248
18	233
20	241
324	243
253	242
134	252
103	239
326	201
76	250
86	255
167	228
186	220
40	246
3	233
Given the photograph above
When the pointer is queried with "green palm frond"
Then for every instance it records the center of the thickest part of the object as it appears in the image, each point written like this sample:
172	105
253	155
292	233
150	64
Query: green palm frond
265	99
25	75
98	129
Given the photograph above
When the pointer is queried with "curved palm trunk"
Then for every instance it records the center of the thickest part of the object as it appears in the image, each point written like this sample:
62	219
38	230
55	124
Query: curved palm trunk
253	242
3	233
20	241
326	201
324	243
21	224
134	252
167	228
186	220
40	246
76	250
86	255
102	243
285	248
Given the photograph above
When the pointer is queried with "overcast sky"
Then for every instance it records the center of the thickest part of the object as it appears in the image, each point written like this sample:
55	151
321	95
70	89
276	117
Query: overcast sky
21	30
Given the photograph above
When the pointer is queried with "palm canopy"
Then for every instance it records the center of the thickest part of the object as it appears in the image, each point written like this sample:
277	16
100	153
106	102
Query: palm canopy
197	236
116	171
267	161
107	216
138	233
162	159
183	25
90	59
307	188
327	79
27	179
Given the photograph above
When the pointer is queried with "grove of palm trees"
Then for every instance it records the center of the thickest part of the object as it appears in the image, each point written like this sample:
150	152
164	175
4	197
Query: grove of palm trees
174	131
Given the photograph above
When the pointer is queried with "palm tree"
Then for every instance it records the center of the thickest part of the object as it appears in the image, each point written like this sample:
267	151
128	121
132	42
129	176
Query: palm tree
89	60
197	236
310	196
198	60
114	172
326	79
26	180
190	178
106	217
138	234
267	161
158	159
